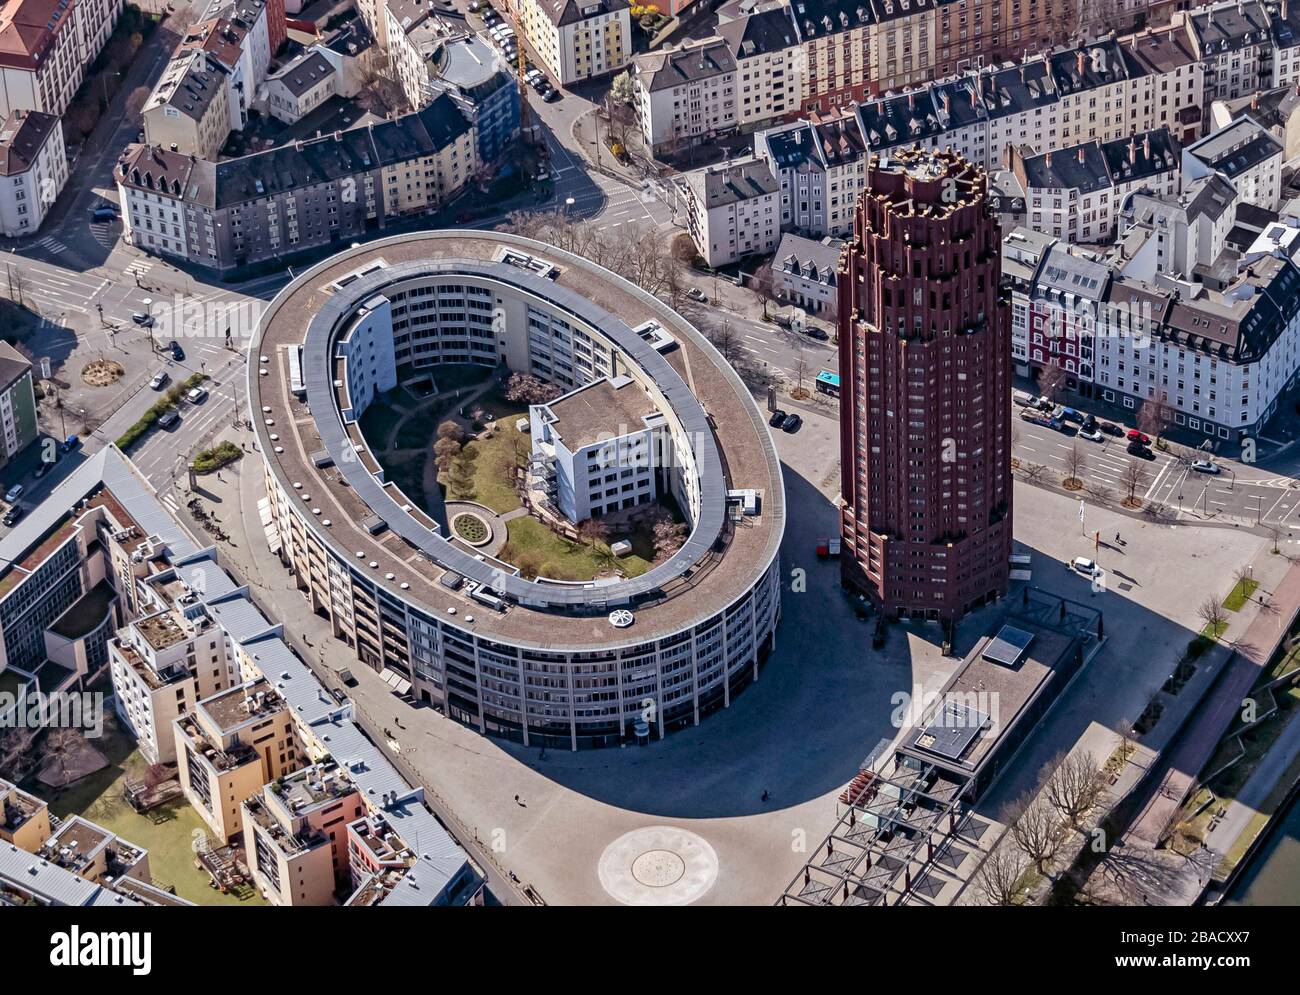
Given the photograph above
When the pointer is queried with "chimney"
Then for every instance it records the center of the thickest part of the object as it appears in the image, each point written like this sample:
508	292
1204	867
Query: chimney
1254	101
911	100
1081	157
1146	146
1047	160
1132	151
1080	61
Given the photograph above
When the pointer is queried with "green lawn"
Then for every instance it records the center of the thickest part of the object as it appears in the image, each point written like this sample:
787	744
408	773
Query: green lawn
561	559
1241	593
490	462
98	798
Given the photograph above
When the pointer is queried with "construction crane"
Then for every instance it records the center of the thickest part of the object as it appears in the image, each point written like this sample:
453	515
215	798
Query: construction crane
521	63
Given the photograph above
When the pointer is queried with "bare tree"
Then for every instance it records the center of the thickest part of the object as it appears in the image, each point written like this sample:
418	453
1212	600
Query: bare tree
1074	786
524	388
666	534
1241	578
592	531
1036	830
799	370
1099	492
529	564
445	452
61	748
763	286
1127	744
451	430
1052	380
725	339
997	879
1153	419
1075	463
1214	615
1032	472
1132	477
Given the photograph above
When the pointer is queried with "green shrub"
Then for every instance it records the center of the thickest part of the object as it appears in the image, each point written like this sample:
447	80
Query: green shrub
1197	646
210	460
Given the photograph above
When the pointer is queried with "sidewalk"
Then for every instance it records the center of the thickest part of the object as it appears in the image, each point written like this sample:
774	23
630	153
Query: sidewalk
1266	777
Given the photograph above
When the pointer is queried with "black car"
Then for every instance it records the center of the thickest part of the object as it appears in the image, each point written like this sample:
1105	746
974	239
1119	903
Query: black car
814	332
177	352
13	515
551	96
1110	428
778	416
1136	448
791	424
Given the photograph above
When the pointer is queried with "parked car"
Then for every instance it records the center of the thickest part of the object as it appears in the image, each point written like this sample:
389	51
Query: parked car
70	443
196	395
140	318
1085	566
1022	398
696	294
168	418
346	677
1206	466
791	424
1136	448
816	332
159	380
1136	436
551	96
104	214
475	6
778	416
14	493
1091	434
14	514
1110	428
177	352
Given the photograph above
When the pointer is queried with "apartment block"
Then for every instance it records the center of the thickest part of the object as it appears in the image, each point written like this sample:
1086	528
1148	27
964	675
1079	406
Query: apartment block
1245	153
732	209
18	427
229	746
33	170
189	110
271	205
578	39
46	49
685	95
24	818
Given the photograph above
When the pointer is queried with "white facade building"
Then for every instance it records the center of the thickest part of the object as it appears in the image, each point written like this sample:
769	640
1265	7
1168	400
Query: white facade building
33	170
732	209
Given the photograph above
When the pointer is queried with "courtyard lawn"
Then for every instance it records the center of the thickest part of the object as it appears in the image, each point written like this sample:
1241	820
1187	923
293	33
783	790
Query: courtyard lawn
491	462
561	559
98	797
1240	594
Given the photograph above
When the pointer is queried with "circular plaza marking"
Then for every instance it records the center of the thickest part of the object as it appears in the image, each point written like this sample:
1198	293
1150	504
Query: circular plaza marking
658	865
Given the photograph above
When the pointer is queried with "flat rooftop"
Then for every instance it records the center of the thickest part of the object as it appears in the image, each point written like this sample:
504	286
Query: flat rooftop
736	424
238	705
601	411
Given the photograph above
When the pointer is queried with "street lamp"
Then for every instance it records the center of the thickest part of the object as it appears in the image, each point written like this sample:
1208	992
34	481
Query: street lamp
568	205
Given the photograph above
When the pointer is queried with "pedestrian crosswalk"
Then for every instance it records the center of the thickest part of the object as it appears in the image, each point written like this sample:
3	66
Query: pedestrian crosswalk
171	503
139	268
102	232
50	244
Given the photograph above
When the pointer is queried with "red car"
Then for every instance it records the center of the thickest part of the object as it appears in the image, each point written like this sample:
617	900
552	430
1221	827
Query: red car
1137	436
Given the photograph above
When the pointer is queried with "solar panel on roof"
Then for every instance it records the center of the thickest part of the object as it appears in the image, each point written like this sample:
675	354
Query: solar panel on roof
952	731
1008	646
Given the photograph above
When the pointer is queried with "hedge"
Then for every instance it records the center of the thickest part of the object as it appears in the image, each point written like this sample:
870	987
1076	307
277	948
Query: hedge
168	403
215	458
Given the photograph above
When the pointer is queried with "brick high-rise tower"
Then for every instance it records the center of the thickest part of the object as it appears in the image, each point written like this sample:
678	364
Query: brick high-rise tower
925	371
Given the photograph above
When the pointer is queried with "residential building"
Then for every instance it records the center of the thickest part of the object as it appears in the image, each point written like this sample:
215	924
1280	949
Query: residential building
1075	193
46	50
24	818
33	170
1247	155
228	746
685	95
769	66
1064	304
1277	109
803	271
600	448
578	39
1235	42
468	70
92	852
189	110
732	209
296	834
275	204
227	43
18	427
925	363
301	86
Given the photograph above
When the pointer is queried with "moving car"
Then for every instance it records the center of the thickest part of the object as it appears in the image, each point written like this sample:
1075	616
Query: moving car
196	395
778	416
791	424
1085	566
1206	466
168	418
14	514
177	352
159	380
1092	434
696	294
140	318
104	214
14	493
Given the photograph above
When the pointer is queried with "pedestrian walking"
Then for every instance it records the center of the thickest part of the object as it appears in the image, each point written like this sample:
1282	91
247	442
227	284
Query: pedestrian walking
766	794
